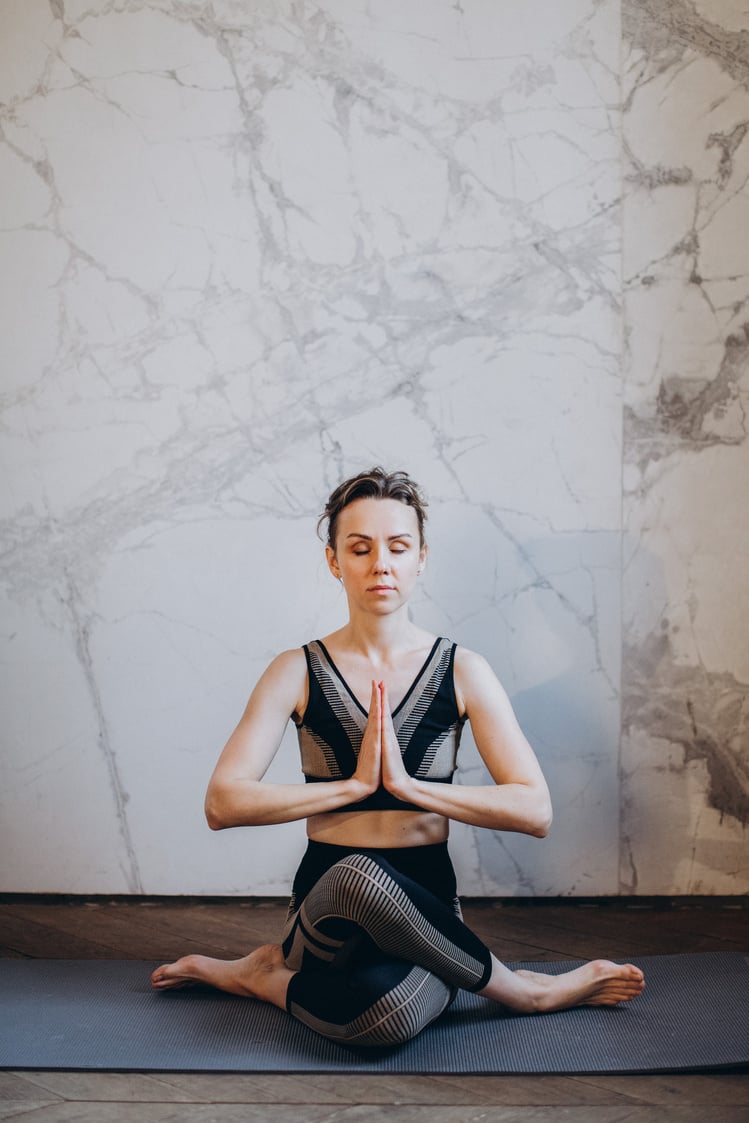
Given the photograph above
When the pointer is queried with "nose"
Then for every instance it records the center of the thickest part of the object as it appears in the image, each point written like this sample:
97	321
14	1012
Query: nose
381	560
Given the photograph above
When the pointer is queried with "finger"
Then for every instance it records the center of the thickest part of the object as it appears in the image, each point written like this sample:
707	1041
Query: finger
387	717
375	705
383	714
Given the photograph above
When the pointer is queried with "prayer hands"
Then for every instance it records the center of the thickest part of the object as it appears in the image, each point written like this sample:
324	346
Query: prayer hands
369	763
394	775
380	760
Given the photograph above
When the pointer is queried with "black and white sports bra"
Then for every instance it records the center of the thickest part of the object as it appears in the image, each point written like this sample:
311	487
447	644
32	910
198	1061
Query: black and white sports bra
426	722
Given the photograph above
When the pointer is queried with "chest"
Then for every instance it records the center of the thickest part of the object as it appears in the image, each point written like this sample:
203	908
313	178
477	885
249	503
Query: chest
425	720
358	678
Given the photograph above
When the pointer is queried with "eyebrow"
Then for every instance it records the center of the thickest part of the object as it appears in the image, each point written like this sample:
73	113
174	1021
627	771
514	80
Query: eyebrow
368	537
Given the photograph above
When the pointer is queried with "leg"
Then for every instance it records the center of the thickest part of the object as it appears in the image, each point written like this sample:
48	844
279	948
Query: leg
262	974
598	983
364	892
423	950
363	896
384	1002
365	942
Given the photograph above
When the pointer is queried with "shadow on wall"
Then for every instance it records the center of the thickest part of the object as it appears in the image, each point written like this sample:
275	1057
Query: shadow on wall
685	750
646	757
545	612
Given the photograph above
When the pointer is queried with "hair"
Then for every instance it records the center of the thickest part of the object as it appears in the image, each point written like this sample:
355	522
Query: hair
374	484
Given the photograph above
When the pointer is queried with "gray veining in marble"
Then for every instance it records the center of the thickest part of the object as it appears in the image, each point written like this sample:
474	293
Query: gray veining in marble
685	749
247	249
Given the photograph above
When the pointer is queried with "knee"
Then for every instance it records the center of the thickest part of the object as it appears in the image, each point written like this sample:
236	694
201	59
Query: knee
353	882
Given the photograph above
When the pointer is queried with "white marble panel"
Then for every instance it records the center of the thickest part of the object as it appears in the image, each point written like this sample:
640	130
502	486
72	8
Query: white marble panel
685	762
245	250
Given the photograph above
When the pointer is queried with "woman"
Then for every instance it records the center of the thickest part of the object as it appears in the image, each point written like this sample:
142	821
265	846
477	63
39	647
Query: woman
374	947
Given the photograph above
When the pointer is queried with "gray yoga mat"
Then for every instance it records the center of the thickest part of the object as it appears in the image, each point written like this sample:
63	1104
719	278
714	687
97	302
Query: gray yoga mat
102	1014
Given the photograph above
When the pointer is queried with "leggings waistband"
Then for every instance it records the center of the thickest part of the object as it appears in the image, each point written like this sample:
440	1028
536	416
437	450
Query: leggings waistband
429	866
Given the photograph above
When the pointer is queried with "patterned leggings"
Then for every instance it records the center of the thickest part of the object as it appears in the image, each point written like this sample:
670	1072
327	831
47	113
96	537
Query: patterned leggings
377	942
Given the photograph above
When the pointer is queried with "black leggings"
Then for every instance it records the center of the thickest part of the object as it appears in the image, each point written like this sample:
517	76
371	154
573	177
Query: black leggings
377	942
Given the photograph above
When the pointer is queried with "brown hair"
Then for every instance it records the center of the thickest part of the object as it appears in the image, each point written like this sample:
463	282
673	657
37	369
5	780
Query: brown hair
374	484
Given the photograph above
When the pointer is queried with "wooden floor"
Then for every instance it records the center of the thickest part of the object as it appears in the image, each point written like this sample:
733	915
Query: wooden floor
520	930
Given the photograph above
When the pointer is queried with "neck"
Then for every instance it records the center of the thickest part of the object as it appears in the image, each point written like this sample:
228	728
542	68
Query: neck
381	636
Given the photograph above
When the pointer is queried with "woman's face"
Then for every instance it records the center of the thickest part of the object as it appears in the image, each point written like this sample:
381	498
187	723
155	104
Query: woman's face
377	553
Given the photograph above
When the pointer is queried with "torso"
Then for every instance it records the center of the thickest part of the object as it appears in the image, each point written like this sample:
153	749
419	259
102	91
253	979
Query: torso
377	828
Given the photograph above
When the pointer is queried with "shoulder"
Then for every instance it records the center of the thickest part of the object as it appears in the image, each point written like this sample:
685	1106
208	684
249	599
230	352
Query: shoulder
292	663
284	681
474	679
469	662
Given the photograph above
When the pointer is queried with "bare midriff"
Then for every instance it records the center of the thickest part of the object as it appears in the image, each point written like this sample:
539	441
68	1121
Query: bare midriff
378	829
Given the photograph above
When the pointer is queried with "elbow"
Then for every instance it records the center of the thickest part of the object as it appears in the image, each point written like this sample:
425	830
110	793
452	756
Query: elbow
542	821
231	803
213	819
216	811
541	829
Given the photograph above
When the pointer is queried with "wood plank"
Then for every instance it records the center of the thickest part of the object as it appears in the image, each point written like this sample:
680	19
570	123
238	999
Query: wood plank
21	1108
136	930
16	1087
725	924
231	930
50	937
113	1112
721	1088
600	934
385	1088
119	1087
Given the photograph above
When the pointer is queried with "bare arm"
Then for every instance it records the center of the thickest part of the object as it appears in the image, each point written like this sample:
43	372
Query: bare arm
237	795
518	800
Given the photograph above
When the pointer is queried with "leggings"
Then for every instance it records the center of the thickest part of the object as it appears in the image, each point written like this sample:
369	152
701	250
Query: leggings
377	942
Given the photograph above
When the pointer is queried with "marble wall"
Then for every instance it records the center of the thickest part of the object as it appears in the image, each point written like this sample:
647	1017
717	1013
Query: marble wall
685	684
249	248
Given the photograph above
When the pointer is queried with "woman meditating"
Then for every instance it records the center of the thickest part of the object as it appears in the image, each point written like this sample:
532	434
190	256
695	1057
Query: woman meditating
374	947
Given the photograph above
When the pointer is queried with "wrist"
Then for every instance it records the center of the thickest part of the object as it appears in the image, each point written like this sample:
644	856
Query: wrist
358	789
402	787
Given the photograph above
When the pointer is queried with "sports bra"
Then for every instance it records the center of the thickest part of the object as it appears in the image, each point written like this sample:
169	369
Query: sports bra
426	722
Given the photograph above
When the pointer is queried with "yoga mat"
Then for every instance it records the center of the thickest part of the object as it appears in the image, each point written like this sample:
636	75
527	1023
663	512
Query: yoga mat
102	1014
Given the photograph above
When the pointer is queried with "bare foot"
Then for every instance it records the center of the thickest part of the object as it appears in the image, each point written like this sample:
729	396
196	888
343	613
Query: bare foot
598	983
262	974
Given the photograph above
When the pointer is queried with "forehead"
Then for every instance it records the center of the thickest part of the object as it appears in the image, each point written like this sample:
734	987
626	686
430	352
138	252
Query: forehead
378	517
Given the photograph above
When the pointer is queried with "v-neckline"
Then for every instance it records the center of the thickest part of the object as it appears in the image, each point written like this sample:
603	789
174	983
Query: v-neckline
405	697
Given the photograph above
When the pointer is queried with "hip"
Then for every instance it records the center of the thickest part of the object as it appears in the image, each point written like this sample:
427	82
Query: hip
429	866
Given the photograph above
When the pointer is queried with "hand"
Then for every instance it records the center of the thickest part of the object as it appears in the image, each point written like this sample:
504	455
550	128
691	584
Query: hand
394	775
369	764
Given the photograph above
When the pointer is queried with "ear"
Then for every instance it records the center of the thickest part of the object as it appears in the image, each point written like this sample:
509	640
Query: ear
332	562
423	554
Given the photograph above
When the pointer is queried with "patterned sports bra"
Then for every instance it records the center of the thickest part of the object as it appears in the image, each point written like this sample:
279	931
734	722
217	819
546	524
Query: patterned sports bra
426	722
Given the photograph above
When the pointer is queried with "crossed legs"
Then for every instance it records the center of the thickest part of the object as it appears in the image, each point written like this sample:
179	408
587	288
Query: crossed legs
263	974
316	974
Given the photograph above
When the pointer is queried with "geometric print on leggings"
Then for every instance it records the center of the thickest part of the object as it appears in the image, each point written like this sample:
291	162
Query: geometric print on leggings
417	953
358	890
409	1005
